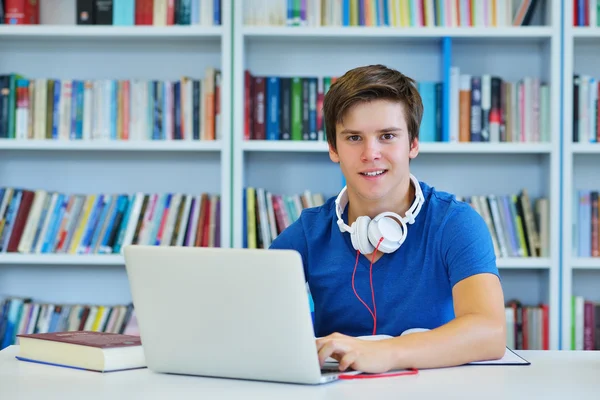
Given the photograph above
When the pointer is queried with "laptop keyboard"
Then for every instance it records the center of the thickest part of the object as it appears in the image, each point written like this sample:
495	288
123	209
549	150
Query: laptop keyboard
330	368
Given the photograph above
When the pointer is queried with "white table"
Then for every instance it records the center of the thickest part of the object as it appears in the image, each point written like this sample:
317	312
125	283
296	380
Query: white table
552	375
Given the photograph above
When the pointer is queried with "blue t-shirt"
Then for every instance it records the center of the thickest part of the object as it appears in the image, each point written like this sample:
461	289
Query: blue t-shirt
448	242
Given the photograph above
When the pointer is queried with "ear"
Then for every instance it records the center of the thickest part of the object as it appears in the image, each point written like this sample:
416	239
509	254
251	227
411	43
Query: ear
414	148
333	155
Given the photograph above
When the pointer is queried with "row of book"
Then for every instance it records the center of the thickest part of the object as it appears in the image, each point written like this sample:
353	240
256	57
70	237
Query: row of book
392	13
587	220
284	108
586	12
488	108
266	215
111	12
585	324
519	226
74	109
586	127
20	315
483	108
527	326
41	222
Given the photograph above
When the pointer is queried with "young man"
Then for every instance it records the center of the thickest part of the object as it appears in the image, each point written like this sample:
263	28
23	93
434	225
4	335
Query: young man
428	263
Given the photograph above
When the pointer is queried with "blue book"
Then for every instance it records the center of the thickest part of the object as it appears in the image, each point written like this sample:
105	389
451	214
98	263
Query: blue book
9	223
74	98
345	12
56	109
124	223
216	12
124	12
12	322
446	65
91	224
427	131
55	221
272	115
195	11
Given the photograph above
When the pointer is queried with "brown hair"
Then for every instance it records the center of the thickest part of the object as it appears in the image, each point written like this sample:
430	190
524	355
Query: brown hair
368	83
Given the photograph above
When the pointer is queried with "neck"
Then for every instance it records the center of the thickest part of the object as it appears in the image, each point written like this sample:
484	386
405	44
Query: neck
398	201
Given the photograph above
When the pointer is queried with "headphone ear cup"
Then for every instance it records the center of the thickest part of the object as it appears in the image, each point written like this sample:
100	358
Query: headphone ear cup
393	234
360	236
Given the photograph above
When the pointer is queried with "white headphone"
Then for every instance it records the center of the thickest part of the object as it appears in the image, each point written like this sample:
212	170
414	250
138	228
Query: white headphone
366	233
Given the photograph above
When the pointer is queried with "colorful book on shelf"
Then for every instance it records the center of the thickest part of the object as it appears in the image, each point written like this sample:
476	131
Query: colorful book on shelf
45	222
393	13
518	226
92	351
24	316
584	323
108	109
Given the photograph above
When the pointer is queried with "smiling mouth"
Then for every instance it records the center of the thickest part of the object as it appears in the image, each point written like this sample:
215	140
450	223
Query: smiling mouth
374	173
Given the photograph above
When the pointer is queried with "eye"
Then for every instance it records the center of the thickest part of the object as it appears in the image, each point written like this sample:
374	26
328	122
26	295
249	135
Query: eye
388	136
353	138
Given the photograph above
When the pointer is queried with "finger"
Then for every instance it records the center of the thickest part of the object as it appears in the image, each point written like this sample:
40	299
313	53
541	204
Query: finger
331	348
347	360
323	340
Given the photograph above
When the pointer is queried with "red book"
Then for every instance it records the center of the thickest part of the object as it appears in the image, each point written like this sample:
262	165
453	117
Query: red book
144	10
14	12
32	12
93	351
20	221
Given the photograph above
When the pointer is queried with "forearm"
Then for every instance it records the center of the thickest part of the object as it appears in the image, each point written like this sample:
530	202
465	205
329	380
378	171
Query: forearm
471	337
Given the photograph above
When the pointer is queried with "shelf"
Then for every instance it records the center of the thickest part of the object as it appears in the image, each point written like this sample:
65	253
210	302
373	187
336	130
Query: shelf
424	147
517	33
523	263
61	259
585	32
115	259
585	148
585	263
80	145
107	31
285	146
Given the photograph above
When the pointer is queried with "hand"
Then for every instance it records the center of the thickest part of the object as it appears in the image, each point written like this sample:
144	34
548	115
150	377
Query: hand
357	354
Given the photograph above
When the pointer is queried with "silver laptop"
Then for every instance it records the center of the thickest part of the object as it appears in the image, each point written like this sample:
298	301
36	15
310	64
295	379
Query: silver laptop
229	313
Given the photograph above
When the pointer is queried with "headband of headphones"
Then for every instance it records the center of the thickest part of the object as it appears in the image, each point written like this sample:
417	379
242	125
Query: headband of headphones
342	201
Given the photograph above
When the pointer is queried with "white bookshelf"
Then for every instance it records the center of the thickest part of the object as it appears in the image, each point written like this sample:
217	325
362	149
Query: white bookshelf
86	32
580	275
227	166
95	145
49	260
527	33
585	263
110	52
462	168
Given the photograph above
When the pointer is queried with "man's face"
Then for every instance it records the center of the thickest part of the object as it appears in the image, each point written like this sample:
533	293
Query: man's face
373	148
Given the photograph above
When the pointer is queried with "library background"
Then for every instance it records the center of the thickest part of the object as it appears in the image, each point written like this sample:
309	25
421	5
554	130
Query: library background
198	123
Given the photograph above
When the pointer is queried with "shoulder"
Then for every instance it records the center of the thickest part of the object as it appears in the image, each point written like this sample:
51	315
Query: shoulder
445	208
465	241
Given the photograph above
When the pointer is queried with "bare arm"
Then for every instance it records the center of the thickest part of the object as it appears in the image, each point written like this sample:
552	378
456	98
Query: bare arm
477	333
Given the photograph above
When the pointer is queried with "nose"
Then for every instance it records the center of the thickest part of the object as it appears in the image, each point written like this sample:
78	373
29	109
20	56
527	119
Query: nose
371	149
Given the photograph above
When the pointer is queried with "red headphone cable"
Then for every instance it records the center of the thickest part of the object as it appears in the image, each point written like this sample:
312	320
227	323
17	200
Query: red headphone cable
374	311
408	371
